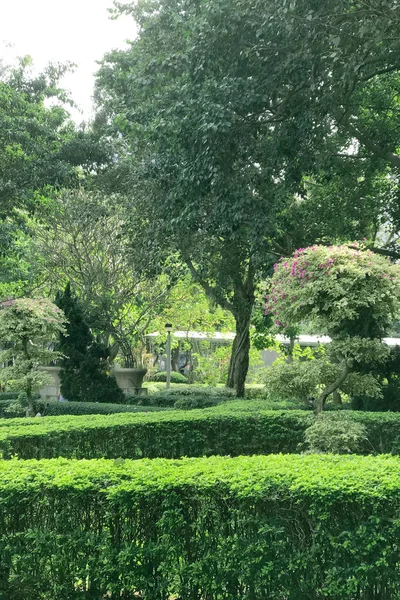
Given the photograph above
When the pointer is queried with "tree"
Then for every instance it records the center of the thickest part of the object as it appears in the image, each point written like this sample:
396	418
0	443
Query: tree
84	363
211	169
223	112
38	141
351	293
80	238
28	328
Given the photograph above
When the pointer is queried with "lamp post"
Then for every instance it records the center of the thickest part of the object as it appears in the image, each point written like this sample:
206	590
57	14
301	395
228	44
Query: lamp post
168	329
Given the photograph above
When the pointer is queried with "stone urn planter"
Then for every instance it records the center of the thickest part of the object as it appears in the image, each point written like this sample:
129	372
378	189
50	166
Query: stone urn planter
130	380
52	390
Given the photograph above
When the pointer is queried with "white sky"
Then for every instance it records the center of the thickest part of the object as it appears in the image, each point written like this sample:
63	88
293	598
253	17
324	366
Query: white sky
63	30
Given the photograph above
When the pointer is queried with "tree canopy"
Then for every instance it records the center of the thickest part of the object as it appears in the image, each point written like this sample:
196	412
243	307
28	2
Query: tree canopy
227	110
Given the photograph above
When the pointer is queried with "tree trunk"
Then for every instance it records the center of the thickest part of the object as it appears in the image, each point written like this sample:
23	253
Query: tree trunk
292	340
30	409
239	363
175	352
330	389
337	398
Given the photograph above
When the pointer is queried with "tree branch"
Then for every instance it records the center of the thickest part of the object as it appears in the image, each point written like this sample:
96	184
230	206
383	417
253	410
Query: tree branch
209	289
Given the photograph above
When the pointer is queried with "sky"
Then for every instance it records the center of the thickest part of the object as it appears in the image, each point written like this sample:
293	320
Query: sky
80	31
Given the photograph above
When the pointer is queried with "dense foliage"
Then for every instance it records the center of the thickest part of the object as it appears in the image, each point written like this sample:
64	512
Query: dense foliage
351	294
169	434
175	377
84	365
245	528
10	409
28	330
234	428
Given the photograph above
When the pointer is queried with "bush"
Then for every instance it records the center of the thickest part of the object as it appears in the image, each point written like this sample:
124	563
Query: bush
171	434
336	433
243	528
175	377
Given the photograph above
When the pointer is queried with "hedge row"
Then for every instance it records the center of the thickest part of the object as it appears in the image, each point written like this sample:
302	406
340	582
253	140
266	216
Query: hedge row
229	429
186	397
233	428
247	528
54	408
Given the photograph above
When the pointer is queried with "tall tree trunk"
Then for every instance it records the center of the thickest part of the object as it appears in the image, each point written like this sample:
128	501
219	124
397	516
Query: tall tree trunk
239	363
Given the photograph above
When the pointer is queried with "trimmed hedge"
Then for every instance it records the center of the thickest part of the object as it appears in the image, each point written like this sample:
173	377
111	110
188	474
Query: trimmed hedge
55	408
175	377
9	395
229	429
186	397
232	428
278	527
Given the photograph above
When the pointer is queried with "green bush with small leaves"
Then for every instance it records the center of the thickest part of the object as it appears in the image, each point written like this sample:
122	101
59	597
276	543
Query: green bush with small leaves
246	528
337	433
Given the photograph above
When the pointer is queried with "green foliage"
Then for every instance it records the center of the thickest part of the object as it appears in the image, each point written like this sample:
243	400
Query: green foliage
27	329
338	434
241	528
40	147
243	428
232	428
190	396
84	363
10	409
212	369
81	237
350	293
175	377
342	289
8	396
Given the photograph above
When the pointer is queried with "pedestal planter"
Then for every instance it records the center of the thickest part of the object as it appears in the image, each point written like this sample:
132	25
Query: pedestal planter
52	390
130	380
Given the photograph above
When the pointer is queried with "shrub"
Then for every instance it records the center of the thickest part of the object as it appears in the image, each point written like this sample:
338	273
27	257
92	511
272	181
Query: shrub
241	528
232	428
338	434
175	377
84	361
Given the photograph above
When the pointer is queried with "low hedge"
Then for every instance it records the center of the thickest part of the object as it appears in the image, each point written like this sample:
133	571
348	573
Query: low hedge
233	428
162	376
247	528
9	395
54	408
229	429
185	397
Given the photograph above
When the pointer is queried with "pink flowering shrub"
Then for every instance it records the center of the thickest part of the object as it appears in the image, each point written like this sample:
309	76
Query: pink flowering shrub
343	289
352	295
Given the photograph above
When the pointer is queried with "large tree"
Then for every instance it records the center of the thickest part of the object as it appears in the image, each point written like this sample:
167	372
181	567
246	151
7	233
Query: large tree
224	109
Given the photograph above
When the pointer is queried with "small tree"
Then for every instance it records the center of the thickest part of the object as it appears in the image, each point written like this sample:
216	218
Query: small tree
84	361
28	328
350	293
